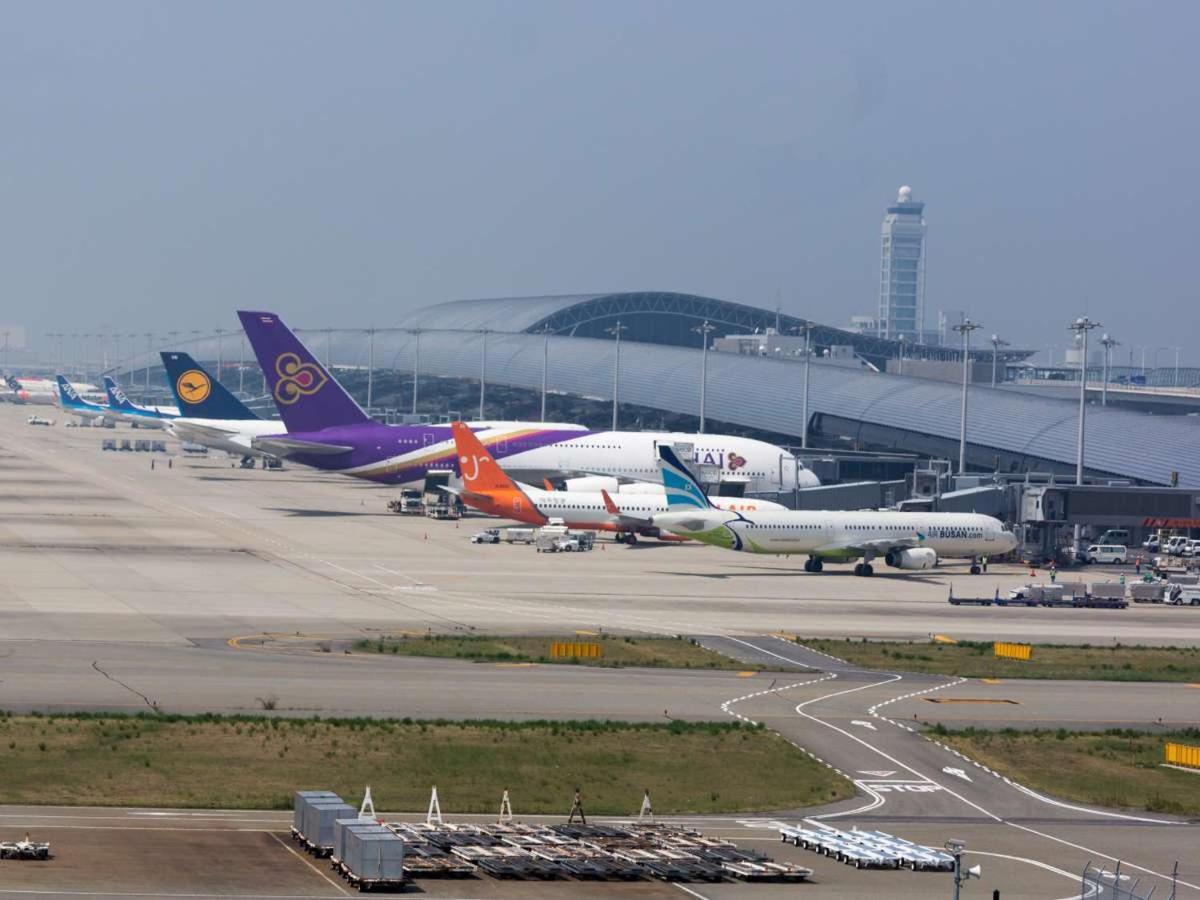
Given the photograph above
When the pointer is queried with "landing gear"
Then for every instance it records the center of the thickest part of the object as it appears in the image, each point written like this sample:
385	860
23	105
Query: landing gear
621	537
864	569
975	569
813	564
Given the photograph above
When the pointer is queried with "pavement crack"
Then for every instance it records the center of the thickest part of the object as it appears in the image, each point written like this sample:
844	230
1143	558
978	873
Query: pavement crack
150	703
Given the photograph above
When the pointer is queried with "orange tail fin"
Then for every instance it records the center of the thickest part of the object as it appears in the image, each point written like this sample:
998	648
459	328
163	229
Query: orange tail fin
479	470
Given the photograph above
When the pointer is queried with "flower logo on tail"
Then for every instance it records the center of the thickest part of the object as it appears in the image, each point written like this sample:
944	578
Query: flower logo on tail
296	379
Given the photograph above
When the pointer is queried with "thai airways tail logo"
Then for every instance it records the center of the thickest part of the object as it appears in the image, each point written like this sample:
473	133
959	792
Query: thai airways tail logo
736	462
193	386
296	379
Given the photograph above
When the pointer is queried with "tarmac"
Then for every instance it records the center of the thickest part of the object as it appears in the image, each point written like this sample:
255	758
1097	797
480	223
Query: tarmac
203	587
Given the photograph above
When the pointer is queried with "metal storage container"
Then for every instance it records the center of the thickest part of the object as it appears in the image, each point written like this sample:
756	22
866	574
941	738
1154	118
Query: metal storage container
342	826
302	799
373	856
318	822
1109	589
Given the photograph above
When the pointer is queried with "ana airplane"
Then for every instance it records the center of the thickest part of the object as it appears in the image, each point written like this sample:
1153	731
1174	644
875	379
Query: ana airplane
126	410
208	413
70	402
328	430
902	540
489	489
39	391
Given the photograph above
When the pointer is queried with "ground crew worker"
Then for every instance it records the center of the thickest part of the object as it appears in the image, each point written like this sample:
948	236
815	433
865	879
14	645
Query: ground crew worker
984	562
1053	572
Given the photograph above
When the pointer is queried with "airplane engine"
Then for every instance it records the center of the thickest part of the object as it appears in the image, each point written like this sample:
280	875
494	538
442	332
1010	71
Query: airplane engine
918	558
592	484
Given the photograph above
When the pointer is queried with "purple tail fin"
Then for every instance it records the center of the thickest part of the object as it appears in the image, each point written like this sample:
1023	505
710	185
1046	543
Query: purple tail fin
308	397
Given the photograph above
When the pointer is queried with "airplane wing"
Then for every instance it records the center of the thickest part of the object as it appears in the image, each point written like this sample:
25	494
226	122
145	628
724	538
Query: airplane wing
285	447
206	430
880	546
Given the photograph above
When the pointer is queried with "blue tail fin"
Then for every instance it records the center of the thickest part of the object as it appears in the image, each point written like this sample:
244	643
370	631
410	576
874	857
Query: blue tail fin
200	396
116	396
683	490
308	397
67	395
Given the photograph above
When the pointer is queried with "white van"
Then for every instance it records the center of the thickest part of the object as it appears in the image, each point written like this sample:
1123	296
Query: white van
1107	553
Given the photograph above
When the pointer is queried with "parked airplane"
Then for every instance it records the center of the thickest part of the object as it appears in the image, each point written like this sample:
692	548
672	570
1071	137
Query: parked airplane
70	402
126	410
39	391
903	540
489	489
328	430
209	414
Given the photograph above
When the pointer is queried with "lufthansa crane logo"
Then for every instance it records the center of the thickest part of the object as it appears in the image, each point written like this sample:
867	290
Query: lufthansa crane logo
193	386
296	379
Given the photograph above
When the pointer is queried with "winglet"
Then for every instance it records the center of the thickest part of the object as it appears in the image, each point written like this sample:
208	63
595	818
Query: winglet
609	506
546	483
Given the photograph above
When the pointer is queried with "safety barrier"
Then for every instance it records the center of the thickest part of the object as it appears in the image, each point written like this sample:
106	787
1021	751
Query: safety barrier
1182	755
575	650
1005	650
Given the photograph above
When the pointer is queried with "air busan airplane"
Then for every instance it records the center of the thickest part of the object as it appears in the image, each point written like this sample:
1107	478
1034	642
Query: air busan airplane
489	489
209	414
902	540
124	409
328	430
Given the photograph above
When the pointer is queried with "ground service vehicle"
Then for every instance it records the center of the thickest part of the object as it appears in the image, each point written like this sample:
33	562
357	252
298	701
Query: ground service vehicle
1115	536
491	536
1107	553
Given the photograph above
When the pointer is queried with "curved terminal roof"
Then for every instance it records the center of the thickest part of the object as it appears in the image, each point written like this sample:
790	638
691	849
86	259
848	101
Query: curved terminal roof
655	317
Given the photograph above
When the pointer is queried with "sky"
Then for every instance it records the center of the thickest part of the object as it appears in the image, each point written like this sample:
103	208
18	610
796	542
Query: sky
164	164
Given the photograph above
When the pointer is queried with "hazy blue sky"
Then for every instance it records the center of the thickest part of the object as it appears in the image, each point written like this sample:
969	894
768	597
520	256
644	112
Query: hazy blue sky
165	163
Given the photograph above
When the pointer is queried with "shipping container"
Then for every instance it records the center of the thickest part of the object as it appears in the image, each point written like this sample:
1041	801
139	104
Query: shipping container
319	817
301	799
374	857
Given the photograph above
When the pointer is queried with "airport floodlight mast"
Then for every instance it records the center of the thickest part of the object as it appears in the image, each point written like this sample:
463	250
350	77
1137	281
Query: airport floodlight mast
615	331
807	370
370	366
900	358
704	329
964	328
242	365
1107	343
220	351
1081	326
546	330
482	370
997	343
416	333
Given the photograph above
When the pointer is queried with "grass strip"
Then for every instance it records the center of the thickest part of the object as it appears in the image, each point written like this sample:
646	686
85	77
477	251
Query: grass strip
1116	768
255	762
618	650
974	659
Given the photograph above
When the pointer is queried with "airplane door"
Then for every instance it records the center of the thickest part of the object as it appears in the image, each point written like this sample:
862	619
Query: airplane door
428	439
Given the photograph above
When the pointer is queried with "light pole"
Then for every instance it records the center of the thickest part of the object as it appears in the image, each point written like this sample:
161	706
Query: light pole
545	365
900	367
996	345
807	327
329	349
615	331
220	351
964	328
956	849
416	333
149	353
242	365
370	367
704	329
1108	343
1177	366
482	371
1081	327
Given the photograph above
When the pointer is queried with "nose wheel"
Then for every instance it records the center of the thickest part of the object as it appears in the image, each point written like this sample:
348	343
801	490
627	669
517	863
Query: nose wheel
864	569
813	564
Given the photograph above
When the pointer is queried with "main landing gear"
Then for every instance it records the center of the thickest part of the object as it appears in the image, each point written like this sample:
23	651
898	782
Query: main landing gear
975	570
813	564
864	569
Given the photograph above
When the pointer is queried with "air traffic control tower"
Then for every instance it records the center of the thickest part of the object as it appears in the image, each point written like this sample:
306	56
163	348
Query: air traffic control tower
902	271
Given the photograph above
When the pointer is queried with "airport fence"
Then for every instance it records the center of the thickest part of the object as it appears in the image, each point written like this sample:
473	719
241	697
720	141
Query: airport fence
1100	883
1182	755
